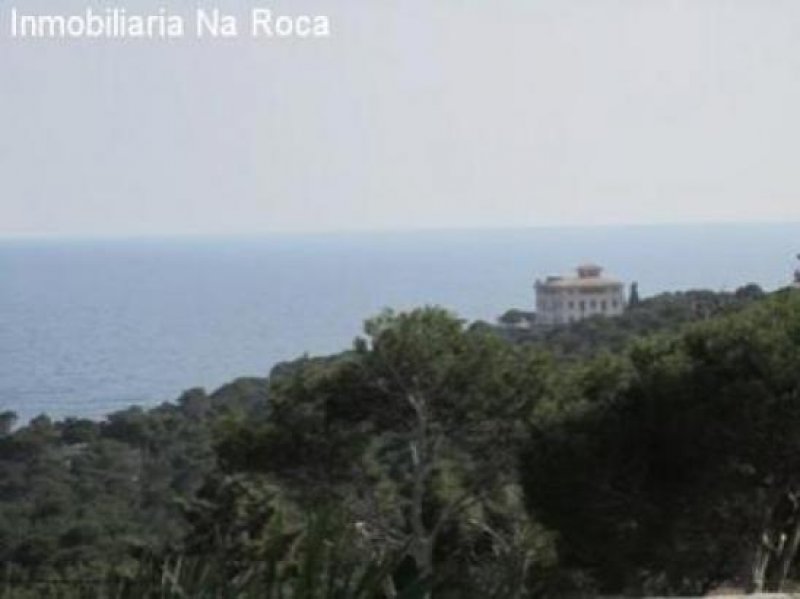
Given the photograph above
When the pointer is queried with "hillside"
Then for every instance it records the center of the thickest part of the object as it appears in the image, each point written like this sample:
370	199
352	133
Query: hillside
653	453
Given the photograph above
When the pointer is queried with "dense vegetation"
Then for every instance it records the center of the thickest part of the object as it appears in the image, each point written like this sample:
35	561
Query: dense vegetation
658	452
666	312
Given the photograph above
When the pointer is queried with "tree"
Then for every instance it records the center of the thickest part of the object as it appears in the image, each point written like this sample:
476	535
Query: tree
7	421
682	469
417	426
634	300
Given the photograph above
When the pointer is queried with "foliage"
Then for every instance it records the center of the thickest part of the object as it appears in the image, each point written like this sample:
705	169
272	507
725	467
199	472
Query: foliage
658	452
666	312
416	430
83	499
680	469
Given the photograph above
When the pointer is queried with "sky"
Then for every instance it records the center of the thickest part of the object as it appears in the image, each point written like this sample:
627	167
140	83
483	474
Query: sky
413	114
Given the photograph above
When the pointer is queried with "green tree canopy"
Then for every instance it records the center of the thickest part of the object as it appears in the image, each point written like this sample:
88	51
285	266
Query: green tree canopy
682	469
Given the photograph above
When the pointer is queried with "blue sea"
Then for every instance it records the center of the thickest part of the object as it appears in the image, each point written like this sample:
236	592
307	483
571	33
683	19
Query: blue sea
91	326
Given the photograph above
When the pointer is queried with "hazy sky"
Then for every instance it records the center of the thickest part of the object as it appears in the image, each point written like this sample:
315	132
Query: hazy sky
416	113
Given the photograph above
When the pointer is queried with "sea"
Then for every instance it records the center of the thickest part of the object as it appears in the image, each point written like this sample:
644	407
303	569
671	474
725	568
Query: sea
90	326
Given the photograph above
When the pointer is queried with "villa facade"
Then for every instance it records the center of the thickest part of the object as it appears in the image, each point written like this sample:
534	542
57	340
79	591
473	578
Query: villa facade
561	300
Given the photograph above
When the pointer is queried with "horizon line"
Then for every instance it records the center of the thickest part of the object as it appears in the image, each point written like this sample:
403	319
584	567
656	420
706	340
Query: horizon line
356	232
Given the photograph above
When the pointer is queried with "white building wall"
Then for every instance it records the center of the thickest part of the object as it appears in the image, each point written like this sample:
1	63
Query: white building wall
559	302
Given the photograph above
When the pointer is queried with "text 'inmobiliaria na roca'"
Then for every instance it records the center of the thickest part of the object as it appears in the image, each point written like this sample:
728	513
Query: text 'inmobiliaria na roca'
121	23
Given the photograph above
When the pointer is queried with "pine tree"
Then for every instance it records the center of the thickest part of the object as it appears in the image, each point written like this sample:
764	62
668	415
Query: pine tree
633	299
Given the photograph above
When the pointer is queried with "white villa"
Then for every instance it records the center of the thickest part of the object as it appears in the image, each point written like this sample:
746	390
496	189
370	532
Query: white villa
561	300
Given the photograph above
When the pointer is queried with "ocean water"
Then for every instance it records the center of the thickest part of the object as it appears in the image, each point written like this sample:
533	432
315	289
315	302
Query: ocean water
88	327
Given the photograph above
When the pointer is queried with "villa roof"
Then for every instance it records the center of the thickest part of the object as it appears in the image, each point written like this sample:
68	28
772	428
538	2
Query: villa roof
589	266
587	276
582	282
